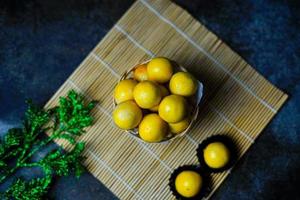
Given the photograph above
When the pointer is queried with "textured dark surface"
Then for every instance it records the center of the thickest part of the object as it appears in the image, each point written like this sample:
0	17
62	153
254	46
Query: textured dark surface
42	42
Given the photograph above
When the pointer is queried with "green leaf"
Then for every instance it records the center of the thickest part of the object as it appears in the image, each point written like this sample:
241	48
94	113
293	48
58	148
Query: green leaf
14	137
2	164
34	189
64	164
73	114
79	170
36	117
2	149
10	146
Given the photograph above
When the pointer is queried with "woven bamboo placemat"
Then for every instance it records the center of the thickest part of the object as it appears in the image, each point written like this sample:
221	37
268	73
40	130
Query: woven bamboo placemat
238	101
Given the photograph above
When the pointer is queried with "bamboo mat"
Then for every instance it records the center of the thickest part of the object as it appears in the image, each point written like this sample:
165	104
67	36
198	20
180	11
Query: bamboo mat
239	102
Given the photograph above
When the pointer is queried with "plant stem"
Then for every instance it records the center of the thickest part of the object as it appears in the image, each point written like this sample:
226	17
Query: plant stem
10	172
43	143
21	163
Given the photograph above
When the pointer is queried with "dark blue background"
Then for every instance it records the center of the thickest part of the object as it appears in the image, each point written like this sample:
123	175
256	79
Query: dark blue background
42	42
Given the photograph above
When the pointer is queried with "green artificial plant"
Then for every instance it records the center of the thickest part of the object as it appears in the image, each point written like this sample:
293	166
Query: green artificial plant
66	121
